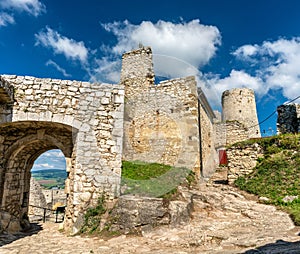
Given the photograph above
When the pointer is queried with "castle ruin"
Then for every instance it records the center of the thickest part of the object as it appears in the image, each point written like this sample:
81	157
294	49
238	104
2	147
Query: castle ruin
98	125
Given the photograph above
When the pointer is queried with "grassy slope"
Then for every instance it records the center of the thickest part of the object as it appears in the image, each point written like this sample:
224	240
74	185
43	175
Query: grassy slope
277	175
152	179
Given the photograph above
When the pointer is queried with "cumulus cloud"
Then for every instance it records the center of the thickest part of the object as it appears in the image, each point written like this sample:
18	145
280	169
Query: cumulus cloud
276	68
55	153
6	19
33	7
50	159
246	51
57	67
178	48
188	41
70	48
234	80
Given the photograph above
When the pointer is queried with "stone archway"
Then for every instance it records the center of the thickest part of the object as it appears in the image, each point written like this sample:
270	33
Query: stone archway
41	114
23	143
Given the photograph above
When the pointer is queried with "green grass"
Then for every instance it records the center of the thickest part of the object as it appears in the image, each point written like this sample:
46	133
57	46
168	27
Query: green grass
277	174
141	179
153	179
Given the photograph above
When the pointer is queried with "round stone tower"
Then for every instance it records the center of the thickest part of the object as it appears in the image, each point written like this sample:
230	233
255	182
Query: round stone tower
239	104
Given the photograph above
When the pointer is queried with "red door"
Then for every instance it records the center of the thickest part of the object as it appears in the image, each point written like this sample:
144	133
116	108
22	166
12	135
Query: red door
223	157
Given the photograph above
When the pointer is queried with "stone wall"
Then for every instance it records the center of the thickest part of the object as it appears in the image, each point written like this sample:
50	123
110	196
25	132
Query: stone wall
83	120
55	196
242	159
161	120
37	199
288	119
40	198
170	122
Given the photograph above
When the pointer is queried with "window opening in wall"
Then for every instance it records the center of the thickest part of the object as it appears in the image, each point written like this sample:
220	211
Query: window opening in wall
25	199
47	186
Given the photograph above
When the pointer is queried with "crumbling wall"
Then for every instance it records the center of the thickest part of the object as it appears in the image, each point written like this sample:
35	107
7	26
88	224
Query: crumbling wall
288	119
242	159
37	200
161	121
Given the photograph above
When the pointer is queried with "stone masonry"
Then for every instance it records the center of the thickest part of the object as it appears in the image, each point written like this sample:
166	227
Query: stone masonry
98	125
83	120
242	159
161	121
288	120
239	105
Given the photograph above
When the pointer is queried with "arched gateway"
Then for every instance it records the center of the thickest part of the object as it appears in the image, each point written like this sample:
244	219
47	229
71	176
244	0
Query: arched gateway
83	120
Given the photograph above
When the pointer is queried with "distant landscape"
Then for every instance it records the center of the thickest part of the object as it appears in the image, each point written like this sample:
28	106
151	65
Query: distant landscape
50	178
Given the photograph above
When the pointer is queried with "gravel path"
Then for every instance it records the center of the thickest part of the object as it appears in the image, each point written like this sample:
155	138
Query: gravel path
224	221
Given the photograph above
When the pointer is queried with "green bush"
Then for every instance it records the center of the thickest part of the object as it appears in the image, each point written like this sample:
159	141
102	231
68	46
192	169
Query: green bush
92	217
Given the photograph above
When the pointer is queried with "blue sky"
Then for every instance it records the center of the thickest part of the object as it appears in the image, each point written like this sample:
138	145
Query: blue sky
226	44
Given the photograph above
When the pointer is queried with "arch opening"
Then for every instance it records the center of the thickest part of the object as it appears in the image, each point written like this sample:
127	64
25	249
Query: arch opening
47	186
23	143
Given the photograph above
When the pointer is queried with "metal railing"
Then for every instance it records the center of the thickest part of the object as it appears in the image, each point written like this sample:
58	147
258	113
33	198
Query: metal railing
57	211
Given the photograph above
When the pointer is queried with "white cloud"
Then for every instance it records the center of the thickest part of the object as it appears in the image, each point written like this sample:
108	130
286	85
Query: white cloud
107	70
50	159
246	51
70	48
237	79
179	49
57	67
6	19
33	7
278	67
53	153
191	42
38	166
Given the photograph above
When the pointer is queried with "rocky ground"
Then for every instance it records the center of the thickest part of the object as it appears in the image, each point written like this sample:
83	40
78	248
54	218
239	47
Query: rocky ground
224	220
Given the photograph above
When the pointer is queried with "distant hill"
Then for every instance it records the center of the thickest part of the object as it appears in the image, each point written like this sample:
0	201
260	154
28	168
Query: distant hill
49	178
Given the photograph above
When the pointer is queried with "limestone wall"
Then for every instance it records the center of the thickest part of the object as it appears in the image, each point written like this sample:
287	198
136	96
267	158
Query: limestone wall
208	151
162	126
288	119
54	196
242	159
161	121
83	120
37	199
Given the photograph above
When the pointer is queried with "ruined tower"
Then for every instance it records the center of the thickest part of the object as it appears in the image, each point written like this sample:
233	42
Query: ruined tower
239	105
161	120
137	71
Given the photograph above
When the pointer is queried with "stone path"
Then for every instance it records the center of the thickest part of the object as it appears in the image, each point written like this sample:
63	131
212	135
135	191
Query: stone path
224	221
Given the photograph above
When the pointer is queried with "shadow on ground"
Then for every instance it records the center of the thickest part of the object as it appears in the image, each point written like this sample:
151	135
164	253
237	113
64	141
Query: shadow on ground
279	247
6	238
